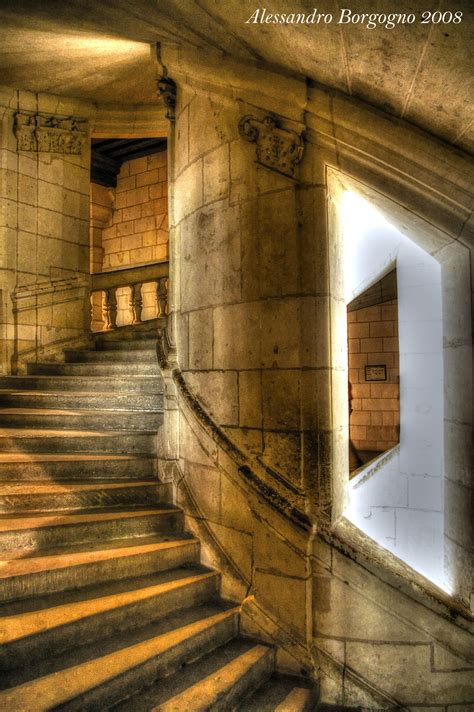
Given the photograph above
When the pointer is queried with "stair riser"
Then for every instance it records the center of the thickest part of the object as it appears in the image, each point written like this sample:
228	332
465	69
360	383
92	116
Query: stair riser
90	532
127	496
121	344
138	384
98	627
112	401
93	369
128	356
118	444
56	580
63	471
107	421
158	666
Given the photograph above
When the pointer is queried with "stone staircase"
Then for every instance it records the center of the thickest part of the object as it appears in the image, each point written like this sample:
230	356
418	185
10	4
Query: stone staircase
103	601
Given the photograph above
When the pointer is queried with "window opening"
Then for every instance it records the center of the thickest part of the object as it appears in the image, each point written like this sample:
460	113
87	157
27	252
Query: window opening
374	391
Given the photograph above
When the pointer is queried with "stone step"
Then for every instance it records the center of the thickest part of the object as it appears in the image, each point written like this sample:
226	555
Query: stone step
50	496
117	345
77	466
283	693
321	707
36	441
145	333
94	384
63	621
59	570
93	369
217	681
95	400
94	677
135	355
79	419
43	529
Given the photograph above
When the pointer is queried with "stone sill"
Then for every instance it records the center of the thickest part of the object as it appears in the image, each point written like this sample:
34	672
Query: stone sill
356	545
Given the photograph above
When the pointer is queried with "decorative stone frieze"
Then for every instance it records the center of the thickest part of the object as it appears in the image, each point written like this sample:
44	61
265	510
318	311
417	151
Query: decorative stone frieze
167	91
50	134
277	148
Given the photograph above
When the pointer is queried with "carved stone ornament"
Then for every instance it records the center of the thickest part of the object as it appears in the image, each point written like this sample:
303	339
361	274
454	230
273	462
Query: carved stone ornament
277	148
51	134
167	91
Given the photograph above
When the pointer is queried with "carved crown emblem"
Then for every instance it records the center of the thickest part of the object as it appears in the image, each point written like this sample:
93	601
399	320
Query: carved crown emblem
277	148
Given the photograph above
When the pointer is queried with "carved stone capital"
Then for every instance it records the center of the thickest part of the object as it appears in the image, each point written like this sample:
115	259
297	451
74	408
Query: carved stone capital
167	91
278	148
51	134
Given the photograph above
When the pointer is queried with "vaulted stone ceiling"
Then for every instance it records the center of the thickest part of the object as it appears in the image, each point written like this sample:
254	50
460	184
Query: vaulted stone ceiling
101	51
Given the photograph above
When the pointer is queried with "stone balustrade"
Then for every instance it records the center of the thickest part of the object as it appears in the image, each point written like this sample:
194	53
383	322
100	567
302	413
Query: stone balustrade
129	296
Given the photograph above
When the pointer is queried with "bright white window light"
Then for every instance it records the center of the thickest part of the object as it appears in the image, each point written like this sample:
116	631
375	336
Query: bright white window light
398	499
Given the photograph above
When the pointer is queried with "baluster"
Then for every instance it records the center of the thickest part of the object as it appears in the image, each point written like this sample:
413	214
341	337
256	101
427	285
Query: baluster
162	296
91	309
110	308
136	303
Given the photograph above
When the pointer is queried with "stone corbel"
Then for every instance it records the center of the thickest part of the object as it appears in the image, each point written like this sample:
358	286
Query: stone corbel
277	148
51	134
167	91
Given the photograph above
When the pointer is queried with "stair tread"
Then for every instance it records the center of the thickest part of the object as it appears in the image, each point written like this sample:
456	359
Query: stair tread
70	457
28	488
68	377
198	685
93	601
17	564
151	347
51	433
281	693
69	412
12	522
58	393
89	667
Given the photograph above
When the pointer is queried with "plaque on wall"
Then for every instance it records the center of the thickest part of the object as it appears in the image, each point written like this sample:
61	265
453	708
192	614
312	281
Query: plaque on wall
376	373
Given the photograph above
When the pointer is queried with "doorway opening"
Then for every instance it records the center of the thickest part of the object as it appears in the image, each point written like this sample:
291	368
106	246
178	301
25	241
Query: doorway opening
128	229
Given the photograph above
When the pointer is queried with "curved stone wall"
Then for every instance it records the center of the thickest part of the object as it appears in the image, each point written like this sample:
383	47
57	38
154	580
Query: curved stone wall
256	280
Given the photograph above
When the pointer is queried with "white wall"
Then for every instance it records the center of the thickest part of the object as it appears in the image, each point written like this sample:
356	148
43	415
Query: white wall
398	500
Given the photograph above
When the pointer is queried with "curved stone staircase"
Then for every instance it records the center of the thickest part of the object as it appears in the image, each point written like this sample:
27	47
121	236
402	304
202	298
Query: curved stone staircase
103	601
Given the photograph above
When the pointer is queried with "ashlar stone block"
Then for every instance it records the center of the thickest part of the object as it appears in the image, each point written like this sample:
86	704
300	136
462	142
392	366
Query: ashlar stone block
210	262
200	339
291	596
216	174
250	399
218	392
281	399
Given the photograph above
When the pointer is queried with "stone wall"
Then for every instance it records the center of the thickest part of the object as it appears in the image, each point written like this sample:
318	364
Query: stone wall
137	232
102	201
239	283
259	319
44	254
373	339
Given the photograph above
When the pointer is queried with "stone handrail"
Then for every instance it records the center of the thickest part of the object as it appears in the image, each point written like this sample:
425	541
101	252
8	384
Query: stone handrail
258	476
104	293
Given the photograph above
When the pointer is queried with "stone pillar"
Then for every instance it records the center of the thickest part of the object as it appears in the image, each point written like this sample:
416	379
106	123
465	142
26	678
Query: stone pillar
249	272
44	224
